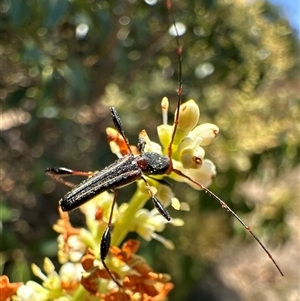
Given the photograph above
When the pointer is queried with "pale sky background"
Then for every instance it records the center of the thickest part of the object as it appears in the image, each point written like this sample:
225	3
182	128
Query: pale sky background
291	10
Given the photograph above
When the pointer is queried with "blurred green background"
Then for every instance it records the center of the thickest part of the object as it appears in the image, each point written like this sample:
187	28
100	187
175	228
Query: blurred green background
64	63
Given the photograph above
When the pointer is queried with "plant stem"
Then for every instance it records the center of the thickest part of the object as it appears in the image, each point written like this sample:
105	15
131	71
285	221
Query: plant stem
124	225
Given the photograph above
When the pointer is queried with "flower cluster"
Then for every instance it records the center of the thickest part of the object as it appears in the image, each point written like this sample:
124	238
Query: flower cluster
82	275
187	148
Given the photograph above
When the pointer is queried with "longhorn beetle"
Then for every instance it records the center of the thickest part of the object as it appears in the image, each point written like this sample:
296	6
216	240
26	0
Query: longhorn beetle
131	168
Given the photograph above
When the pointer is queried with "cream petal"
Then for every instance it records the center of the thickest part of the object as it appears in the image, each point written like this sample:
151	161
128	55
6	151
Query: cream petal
26	293
188	142
192	158
184	206
175	204
150	145
168	244
207	131
177	222
164	132
145	231
203	175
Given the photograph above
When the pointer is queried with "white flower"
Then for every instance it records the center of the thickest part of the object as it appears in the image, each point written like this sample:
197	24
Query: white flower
187	148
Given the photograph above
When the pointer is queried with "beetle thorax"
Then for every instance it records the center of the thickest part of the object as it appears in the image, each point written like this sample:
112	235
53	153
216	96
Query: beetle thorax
153	163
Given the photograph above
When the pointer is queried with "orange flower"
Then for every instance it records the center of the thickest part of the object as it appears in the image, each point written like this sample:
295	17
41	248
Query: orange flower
7	289
117	144
64	227
140	280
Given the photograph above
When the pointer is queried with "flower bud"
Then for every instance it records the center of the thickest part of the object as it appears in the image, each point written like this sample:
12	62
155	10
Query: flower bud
188	115
164	109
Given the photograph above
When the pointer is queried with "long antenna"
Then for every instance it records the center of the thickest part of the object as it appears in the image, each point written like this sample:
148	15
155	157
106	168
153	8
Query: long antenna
225	206
178	172
179	87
